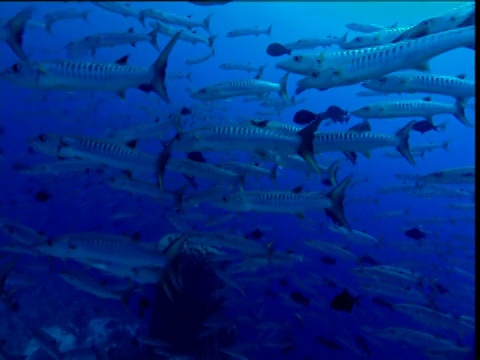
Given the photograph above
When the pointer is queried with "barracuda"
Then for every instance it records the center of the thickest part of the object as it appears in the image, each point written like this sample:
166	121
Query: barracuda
455	86
185	35
246	138
12	32
76	75
377	38
352	141
69	14
234	88
409	108
384	59
174	19
203	170
290	202
100	151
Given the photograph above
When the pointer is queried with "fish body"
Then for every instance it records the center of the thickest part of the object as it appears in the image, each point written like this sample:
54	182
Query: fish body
90	246
244	67
365	28
69	75
228	89
255	31
185	35
409	108
202	170
92	42
455	86
377	38
60	15
117	8
384	59
312	43
200	59
461	175
458	17
364	141
174	19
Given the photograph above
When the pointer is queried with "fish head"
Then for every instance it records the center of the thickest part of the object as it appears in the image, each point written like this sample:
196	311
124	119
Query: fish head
384	83
45	143
357	42
206	93
23	73
298	64
322	79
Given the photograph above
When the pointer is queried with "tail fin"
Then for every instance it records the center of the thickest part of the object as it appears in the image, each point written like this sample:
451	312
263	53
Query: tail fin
153	38
344	37
206	22
460	113
48	24
15	28
269	30
260	72
332	173
305	150
337	197
402	145
283	86
273	173
142	17
159	67
162	161
211	39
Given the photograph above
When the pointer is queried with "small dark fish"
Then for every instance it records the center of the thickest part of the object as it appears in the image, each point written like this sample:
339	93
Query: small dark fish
368	260
196	156
382	302
344	301
185	111
304	117
328	343
336	114
43	196
424	126
416	234
299	298
277	49
328	260
256	234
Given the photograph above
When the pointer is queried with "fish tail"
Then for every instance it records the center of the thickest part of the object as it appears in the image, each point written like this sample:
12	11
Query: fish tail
153	38
206	23
269	30
305	150
159	67
211	39
402	146
283	86
85	15
273	173
142	17
15	28
460	113
162	161
260	72
332	172
337	197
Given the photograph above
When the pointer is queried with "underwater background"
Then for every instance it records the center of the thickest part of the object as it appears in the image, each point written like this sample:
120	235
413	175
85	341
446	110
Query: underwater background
226	307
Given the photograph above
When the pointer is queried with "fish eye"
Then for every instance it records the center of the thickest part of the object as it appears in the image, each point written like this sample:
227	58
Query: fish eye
358	39
315	74
15	68
297	58
202	91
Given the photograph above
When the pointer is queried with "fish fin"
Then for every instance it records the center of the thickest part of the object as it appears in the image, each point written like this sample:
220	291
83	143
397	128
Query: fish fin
337	197
429	118
142	17
211	39
159	67
178	195
427	98
269	30
260	124
394	25
299	90
273	173
461	76
402	146
460	113
344	37
15	28
305	150
132	144
332	172
206	22
85	15
367	154
153	38
121	93
260	72
442	126
162	161
283	86
350	155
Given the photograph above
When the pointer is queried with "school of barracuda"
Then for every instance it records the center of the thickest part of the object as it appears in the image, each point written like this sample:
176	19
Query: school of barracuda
212	174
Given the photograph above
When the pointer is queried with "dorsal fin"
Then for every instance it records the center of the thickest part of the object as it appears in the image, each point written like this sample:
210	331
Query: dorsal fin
461	76
122	60
260	123
427	98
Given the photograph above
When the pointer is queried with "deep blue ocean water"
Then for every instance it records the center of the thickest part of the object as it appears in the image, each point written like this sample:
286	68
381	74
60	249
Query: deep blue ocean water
264	321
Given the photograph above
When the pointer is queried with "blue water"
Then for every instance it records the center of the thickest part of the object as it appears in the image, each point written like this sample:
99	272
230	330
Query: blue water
264	322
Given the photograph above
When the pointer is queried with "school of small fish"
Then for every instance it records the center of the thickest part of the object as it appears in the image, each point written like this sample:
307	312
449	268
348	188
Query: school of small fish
274	207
